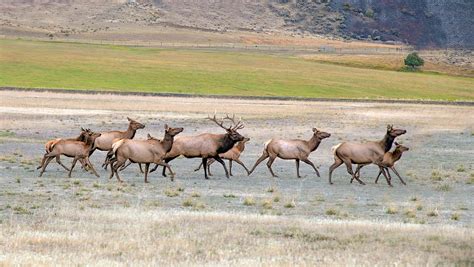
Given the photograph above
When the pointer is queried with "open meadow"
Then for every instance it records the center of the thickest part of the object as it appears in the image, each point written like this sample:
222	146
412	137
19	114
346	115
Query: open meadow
222	72
244	220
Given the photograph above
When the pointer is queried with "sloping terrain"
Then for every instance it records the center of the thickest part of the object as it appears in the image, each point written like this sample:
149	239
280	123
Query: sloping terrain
427	23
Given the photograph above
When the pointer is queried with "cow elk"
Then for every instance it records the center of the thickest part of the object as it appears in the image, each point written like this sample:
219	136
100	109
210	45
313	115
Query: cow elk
364	153
207	145
232	155
296	149
75	149
147	151
389	160
105	141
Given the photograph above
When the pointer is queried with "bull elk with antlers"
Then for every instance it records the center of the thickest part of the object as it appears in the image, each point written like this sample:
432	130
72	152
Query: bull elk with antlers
232	155
364	153
296	149
207	145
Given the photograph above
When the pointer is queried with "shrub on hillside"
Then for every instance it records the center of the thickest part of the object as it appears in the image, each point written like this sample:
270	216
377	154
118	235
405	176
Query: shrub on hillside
413	61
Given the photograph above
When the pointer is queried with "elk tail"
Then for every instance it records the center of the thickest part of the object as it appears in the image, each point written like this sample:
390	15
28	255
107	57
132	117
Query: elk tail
117	144
334	148
50	145
265	146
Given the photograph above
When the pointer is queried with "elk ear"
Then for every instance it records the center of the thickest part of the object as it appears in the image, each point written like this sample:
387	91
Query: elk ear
166	126
129	119
389	127
397	144
148	136
82	129
315	130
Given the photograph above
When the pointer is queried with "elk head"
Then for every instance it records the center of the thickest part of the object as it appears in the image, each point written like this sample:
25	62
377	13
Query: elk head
232	129
135	125
401	148
172	131
91	136
320	135
394	132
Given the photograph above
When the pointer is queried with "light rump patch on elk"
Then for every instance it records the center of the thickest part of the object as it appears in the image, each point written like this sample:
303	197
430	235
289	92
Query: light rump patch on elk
147	151
363	153
296	149
232	155
75	149
207	145
389	160
105	141
51	143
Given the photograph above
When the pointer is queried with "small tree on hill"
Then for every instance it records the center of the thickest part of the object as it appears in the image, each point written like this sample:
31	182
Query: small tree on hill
414	61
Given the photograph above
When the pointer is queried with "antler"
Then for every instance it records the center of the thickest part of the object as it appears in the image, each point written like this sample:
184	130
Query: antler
214	119
237	126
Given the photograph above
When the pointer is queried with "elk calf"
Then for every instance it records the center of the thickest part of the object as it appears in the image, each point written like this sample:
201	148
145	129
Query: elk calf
232	155
51	143
389	160
75	149
296	149
147	151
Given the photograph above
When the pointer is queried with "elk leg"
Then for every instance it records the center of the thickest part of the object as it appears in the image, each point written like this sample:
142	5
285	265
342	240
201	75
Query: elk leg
209	162
42	161
199	167
204	166
72	166
399	177
349	170
147	166
115	169
259	160
269	165
58	160
140	167
337	162
125	166
45	165
230	167
385	175
91	166
298	168
218	159
377	179
166	165
357	172
307	161
242	164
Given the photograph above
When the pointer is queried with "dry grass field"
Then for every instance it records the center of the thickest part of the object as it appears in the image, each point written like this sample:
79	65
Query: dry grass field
244	220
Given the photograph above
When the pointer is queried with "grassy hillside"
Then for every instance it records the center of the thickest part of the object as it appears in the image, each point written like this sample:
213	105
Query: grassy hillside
84	66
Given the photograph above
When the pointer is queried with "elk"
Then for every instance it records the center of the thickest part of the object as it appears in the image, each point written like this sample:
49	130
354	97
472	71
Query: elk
232	155
78	150
296	149
207	145
51	143
389	160
105	141
363	153
147	151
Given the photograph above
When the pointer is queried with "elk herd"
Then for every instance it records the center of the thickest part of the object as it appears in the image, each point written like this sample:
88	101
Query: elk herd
123	150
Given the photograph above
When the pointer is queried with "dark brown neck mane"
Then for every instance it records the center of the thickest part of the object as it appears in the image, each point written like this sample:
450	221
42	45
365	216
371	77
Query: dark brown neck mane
387	142
167	142
130	132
